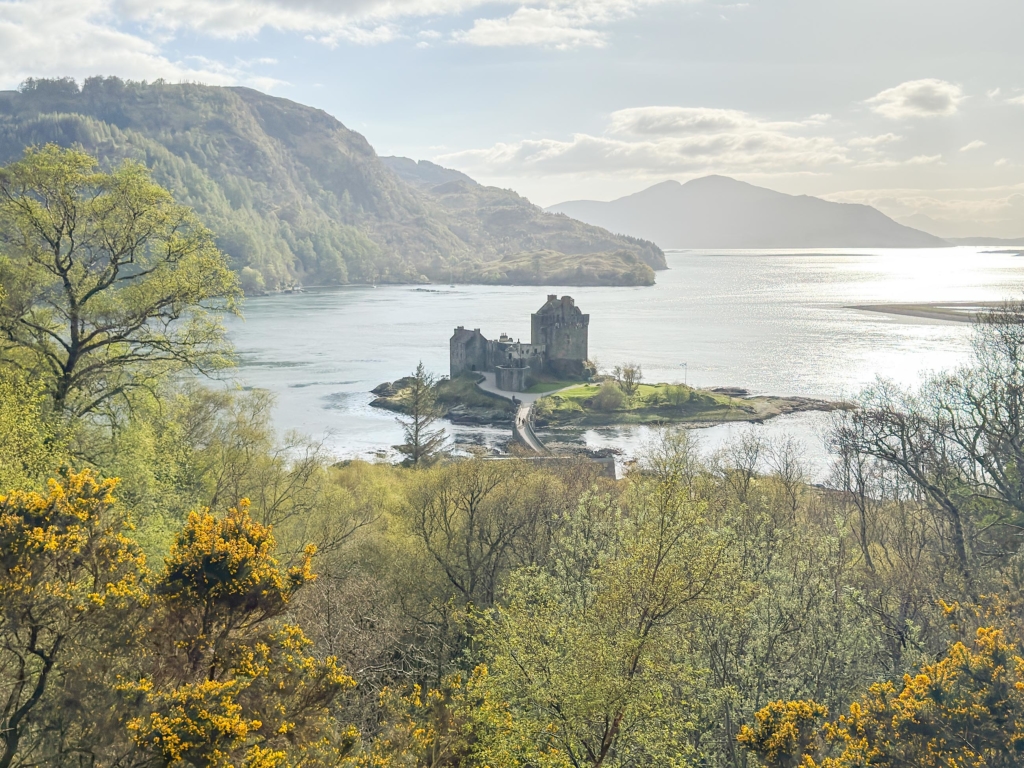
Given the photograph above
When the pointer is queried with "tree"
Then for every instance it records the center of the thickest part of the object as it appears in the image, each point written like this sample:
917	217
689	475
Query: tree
70	582
29	449
590	653
609	397
109	283
419	400
679	395
470	519
628	376
958	441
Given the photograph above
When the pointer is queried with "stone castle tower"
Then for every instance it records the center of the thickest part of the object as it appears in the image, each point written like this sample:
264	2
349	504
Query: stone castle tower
562	329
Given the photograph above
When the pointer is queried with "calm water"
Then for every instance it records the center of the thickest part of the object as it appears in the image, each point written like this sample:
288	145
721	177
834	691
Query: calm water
772	322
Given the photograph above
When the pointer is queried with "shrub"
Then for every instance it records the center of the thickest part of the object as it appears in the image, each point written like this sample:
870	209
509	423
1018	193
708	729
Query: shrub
609	397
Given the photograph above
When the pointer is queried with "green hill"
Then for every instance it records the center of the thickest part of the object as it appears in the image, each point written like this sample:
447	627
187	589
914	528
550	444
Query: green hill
295	196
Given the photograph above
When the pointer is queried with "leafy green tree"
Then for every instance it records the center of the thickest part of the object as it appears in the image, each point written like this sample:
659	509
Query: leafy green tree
590	653
423	440
109	283
29	448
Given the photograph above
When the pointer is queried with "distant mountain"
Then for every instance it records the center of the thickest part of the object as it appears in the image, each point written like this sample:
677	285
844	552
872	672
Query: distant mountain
719	212
293	194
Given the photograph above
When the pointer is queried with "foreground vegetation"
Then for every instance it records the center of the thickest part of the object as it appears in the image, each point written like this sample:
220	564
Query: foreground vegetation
180	587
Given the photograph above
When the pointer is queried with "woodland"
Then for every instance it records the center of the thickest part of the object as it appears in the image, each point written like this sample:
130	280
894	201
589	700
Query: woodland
181	586
293	197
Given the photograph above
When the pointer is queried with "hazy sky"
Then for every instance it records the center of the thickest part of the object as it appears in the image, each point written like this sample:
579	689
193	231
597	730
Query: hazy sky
915	106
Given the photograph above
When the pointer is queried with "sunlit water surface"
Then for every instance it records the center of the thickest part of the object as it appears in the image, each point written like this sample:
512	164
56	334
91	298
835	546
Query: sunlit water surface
772	322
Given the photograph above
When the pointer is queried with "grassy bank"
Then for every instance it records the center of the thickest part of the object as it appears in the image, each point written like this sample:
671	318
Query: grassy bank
606	404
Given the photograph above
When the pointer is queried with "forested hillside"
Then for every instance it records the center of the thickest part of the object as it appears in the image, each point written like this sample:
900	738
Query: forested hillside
291	193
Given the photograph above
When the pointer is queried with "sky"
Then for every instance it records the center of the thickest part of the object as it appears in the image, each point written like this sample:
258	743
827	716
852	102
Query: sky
913	106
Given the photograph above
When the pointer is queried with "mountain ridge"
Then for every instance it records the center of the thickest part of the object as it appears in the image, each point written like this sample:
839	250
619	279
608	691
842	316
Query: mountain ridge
722	212
293	195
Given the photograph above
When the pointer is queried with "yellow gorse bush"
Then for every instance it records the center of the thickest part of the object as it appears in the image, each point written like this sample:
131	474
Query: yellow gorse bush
238	686
42	536
229	561
965	710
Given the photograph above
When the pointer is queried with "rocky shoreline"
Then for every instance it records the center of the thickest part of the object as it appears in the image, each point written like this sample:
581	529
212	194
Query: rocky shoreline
465	404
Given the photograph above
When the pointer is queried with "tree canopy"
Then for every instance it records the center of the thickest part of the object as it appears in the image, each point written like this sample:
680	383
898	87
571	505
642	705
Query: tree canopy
108	282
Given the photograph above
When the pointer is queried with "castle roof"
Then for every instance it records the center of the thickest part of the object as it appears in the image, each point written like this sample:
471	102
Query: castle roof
564	306
463	335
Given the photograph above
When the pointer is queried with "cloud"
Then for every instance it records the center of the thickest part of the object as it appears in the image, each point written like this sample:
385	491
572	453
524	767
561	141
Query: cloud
874	162
46	38
678	121
959	211
653	141
128	37
546	23
874	142
918	98
976	144
1019	100
559	28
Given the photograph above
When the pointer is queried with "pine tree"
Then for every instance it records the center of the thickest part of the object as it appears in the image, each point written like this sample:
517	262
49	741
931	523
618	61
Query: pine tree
423	442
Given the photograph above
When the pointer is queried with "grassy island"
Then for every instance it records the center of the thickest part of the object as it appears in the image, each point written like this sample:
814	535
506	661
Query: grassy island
605	404
601	404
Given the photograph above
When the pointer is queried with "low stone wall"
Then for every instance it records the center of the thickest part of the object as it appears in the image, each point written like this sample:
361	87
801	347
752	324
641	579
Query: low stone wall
511	379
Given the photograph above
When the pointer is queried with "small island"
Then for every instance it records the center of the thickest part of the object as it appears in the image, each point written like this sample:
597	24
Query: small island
601	403
604	404
550	382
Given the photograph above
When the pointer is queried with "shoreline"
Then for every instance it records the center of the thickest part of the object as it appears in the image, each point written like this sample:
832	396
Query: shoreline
947	311
470	405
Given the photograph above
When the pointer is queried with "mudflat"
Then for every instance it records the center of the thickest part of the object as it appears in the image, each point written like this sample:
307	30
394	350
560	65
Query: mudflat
953	311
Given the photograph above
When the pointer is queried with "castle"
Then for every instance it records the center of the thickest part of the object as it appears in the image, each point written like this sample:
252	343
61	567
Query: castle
558	347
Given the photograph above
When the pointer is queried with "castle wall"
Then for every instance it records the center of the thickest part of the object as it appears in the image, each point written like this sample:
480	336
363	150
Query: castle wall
467	352
515	353
511	378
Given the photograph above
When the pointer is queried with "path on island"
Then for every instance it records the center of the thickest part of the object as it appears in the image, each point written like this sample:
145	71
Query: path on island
522	429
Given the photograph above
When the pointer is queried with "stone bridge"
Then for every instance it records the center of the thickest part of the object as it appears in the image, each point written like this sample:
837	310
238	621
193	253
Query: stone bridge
522	427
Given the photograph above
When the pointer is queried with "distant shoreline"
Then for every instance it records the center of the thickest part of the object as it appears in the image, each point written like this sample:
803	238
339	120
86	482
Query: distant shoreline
949	311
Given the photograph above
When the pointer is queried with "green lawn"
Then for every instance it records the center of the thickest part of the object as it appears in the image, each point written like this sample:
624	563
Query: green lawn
650	403
549	386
